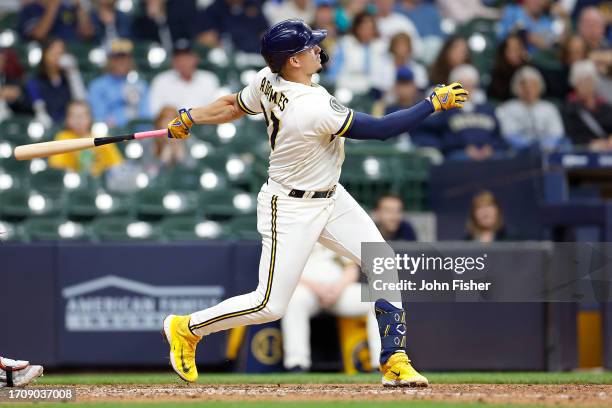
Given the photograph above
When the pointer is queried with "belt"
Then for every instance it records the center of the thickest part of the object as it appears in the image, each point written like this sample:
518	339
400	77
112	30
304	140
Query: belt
301	193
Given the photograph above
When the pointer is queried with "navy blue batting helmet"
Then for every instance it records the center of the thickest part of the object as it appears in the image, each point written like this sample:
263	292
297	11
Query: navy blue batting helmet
287	38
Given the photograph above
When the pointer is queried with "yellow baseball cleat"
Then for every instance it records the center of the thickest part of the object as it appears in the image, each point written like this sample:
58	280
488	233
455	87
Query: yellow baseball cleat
398	372
183	345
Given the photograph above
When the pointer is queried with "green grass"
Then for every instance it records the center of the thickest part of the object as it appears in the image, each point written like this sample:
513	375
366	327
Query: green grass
324	378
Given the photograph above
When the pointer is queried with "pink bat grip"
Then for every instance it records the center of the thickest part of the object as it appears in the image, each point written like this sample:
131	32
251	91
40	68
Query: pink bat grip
151	133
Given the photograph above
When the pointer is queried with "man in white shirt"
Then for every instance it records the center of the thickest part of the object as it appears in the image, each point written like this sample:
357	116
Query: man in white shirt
183	82
301	9
390	22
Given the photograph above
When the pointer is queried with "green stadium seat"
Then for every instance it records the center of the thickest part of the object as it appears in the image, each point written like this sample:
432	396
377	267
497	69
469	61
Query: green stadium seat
226	203
10	232
15	129
54	229
190	229
9	21
153	204
49	181
244	227
124	229
85	204
17	204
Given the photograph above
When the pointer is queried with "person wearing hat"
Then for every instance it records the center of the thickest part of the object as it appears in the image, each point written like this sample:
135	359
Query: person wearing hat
116	97
184	82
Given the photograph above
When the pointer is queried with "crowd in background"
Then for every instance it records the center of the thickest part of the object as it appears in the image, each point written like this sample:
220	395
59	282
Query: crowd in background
548	84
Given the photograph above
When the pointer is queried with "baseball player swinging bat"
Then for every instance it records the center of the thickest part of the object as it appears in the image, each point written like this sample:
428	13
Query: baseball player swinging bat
46	149
302	201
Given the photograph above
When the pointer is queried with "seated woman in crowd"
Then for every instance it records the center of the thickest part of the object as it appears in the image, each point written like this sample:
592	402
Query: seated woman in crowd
57	82
587	117
454	52
486	220
511	56
357	58
90	161
528	121
401	51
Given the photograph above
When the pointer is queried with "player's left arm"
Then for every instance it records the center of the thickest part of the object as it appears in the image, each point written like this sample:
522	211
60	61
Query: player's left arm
365	126
223	110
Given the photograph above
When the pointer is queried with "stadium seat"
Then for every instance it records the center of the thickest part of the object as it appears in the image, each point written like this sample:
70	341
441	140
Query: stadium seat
15	129
190	229
223	204
85	204
124	229
49	181
244	227
54	229
17	204
10	232
153	204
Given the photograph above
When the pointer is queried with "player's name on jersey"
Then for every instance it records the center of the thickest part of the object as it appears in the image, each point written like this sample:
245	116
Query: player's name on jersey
434	285
272	95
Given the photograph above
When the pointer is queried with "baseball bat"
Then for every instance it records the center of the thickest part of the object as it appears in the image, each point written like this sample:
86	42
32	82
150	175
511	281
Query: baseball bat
45	149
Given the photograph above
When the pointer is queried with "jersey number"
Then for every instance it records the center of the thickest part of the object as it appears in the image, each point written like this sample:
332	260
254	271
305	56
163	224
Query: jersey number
275	125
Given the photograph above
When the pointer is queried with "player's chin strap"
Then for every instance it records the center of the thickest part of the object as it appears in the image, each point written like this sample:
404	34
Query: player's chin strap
392	328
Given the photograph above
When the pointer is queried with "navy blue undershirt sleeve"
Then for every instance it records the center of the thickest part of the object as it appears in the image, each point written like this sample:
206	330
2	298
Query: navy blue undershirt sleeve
366	127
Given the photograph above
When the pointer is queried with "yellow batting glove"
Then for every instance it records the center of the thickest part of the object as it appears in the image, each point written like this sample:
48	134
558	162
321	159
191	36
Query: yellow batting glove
181	125
446	97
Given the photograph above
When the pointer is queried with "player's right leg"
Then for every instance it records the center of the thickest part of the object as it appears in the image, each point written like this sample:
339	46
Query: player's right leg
17	373
289	228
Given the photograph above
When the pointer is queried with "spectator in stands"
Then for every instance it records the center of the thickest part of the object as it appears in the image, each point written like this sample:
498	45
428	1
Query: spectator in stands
184	85
242	21
276	12
424	15
485	223
162	153
109	22
592	29
70	21
163	21
531	19
557	77
528	120
329	283
454	52
401	52
347	10
587	117
90	161
13	98
359	58
472	133
388	215
325	18
55	84
406	94
391	22
511	55
463	11
116	97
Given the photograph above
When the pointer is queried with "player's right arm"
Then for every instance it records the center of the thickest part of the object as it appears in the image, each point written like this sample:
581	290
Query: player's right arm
223	110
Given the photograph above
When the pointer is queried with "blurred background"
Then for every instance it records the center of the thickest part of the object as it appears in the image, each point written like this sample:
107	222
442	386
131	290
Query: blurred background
96	246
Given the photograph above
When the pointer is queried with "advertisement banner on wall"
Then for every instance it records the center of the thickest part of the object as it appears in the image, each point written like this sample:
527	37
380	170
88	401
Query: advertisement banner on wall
111	306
